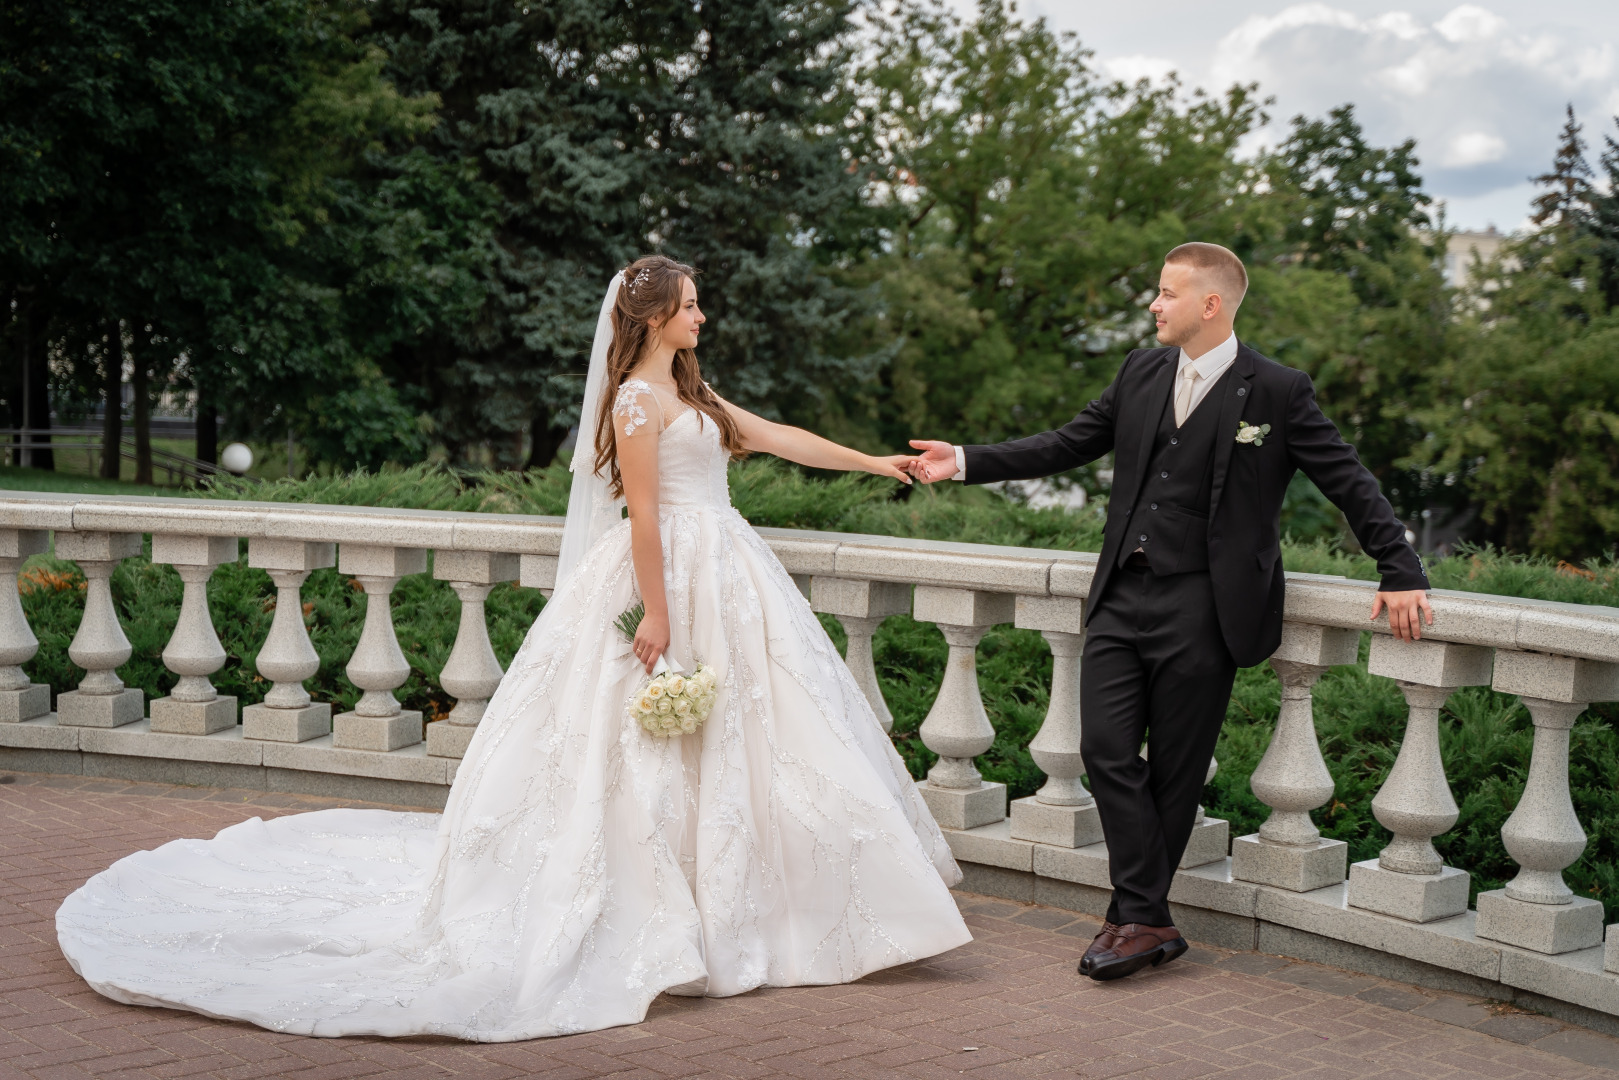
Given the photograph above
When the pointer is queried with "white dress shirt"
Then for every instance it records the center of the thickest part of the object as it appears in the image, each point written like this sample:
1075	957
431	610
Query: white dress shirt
1210	366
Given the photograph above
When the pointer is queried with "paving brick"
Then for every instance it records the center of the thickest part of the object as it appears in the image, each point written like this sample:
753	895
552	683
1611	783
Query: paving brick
1012	993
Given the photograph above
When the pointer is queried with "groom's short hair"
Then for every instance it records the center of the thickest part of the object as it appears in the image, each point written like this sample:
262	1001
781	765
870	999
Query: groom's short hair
1221	267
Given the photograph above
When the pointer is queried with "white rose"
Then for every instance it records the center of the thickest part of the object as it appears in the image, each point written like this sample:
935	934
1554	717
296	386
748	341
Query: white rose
654	690
664	707
644	703
676	685
683	707
688	725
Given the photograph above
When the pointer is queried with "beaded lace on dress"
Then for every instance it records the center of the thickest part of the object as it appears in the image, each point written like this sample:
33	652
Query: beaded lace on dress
580	867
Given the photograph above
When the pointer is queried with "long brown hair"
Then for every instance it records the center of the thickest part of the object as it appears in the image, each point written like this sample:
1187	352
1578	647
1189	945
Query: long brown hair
652	289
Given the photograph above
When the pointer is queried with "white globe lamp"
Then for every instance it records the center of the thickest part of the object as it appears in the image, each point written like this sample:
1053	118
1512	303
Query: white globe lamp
236	458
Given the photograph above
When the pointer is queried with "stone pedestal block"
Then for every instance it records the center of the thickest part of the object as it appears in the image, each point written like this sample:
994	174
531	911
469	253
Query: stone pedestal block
287	725
193	717
964	808
79	709
445	739
1210	842
1059	826
351	731
1542	928
1418	898
25	704
1296	868
1610	954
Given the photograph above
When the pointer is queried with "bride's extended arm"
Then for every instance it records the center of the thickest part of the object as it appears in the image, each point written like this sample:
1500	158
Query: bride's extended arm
637	424
807	448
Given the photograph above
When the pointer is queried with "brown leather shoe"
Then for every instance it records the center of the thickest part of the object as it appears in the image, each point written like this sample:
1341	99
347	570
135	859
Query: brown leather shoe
1104	942
1134	947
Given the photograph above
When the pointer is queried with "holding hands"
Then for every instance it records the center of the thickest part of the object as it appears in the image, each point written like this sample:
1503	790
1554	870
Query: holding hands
936	462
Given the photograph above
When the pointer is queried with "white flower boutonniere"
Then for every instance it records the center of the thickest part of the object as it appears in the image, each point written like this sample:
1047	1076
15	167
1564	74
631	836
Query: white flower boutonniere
1248	433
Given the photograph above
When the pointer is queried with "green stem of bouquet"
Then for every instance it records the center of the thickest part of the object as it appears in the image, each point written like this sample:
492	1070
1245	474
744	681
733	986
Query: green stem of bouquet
630	621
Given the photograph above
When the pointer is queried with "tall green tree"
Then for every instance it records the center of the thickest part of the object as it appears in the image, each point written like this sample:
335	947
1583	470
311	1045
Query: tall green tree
208	182
1031	207
1530	420
709	132
1348	287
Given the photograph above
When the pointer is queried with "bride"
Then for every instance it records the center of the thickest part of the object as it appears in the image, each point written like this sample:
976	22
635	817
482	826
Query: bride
581	866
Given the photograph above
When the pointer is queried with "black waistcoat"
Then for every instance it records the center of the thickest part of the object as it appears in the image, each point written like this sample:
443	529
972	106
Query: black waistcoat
1170	520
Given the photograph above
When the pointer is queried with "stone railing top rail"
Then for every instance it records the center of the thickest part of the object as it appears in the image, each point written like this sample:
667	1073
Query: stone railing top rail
1577	630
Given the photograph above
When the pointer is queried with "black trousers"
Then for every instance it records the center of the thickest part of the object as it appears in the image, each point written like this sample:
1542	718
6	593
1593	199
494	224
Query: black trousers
1156	667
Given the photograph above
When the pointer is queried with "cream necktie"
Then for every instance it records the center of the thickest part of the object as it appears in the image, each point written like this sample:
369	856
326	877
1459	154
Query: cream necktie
1183	396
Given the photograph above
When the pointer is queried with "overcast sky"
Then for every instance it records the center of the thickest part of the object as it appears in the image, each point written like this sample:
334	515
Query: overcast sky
1480	86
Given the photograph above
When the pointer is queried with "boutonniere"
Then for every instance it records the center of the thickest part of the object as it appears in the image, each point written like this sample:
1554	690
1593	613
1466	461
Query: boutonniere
1248	433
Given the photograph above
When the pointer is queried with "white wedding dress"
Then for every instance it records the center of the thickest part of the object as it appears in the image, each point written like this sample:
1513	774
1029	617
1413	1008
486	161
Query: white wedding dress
581	867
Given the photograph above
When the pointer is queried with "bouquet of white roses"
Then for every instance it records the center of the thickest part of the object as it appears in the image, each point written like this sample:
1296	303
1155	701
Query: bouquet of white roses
672	703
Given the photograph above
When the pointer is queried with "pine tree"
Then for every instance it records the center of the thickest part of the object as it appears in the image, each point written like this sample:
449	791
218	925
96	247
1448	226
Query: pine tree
1603	224
611	129
1565	201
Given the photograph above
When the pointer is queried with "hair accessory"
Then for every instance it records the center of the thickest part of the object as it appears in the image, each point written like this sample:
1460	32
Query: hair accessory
640	278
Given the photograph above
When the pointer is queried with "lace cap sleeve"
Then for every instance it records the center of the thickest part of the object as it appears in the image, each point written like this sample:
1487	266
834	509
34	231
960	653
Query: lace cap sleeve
630	410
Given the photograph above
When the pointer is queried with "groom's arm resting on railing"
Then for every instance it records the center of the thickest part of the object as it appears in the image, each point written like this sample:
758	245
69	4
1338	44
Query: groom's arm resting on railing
1316	448
1079	442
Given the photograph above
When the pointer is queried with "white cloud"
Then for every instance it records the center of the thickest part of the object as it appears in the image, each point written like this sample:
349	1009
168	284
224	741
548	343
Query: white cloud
1482	96
1468	24
1131	69
1474	148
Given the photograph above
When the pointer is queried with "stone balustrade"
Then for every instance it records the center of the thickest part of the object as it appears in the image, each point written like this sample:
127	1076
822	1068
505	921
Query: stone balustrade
1284	889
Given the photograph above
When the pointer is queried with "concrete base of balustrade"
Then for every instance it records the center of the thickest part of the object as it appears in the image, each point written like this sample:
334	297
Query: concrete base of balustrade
448	740
40	733
1544	928
407	777
78	709
1610	956
1418	898
351	731
1210	840
965	808
287	725
25	704
1059	826
1285	866
1209	905
193	717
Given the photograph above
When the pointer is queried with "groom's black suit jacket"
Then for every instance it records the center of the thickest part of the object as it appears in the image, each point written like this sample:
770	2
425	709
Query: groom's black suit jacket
1249	481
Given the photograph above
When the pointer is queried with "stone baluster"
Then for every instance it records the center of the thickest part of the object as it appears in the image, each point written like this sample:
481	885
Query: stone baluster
956	727
472	673
20	698
194	707
1288	851
1062	813
538	572
861	607
1210	838
1409	880
287	714
1537	910
378	667
99	646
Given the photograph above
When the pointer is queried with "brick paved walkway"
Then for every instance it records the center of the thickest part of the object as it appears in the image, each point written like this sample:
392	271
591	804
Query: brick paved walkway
1009	1005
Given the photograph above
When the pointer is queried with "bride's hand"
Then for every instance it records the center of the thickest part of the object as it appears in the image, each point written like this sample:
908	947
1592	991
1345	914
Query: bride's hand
651	639
897	466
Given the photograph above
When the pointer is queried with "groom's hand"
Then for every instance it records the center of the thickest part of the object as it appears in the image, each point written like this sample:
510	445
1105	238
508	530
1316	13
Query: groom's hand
1406	611
936	462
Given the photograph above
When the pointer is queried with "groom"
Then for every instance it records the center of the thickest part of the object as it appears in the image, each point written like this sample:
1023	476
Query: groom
1206	433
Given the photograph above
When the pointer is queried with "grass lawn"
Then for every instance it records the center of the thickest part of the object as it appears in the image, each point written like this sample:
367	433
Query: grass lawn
13	478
